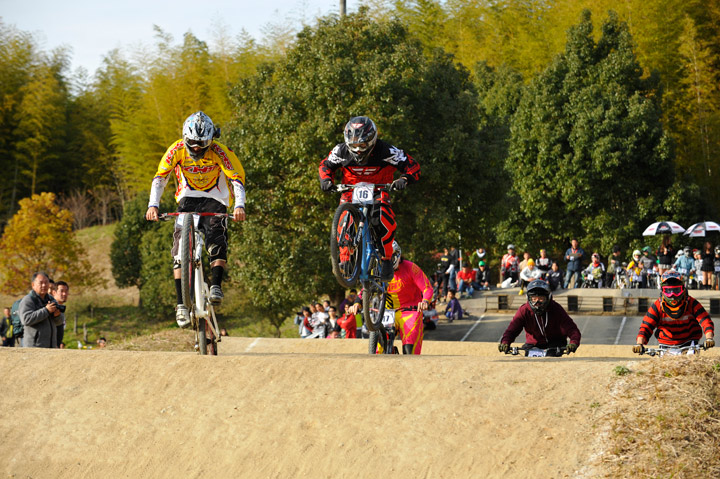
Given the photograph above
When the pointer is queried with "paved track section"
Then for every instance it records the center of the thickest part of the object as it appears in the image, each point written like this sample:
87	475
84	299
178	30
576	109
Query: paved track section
489	327
481	326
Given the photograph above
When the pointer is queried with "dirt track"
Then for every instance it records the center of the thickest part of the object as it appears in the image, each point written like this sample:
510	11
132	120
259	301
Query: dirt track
298	408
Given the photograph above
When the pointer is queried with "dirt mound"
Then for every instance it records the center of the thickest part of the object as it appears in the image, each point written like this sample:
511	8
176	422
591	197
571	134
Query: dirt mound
293	408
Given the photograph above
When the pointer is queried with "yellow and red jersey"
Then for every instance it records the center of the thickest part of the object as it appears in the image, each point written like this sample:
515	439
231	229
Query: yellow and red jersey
219	174
408	287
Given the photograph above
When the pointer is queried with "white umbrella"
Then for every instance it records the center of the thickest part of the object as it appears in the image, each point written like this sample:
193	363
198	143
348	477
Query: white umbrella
663	228
700	229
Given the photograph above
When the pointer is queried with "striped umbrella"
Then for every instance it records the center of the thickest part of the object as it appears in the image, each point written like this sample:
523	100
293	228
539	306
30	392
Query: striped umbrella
700	229
663	228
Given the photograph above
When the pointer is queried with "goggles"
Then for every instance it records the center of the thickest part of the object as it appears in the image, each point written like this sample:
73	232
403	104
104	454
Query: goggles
358	147
198	143
673	291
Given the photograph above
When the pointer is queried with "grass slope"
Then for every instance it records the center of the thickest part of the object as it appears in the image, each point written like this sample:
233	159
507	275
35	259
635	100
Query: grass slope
112	312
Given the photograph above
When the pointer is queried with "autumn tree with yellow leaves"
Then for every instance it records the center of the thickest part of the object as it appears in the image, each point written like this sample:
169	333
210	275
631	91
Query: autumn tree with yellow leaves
39	237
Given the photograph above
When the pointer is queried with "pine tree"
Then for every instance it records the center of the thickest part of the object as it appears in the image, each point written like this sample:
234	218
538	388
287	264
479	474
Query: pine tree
589	157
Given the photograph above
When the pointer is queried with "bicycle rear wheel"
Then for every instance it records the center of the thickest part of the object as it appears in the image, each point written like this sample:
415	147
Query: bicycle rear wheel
187	245
344	251
373	302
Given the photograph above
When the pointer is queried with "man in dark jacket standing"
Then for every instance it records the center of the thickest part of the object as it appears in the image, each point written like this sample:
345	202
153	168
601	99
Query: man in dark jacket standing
574	257
37	310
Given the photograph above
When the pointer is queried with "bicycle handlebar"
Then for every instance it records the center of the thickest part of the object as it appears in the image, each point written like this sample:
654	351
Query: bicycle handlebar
342	188
168	216
515	350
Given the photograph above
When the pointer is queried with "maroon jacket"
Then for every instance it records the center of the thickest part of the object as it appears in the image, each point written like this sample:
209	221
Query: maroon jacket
551	326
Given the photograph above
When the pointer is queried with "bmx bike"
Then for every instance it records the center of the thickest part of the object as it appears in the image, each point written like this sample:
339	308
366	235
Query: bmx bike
195	291
535	352
355	251
662	350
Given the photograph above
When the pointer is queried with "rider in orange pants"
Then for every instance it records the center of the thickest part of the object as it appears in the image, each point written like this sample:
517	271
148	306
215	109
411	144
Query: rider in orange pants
409	288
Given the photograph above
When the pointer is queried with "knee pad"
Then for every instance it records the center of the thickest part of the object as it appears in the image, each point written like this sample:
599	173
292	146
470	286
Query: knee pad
216	252
176	262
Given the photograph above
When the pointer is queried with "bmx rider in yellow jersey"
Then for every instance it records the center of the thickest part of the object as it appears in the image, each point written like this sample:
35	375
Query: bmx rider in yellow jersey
207	173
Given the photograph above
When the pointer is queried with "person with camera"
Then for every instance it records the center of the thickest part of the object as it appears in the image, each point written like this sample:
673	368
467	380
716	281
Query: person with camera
37	311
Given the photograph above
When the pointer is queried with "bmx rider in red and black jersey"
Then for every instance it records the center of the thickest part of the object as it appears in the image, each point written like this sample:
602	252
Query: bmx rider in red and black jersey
364	158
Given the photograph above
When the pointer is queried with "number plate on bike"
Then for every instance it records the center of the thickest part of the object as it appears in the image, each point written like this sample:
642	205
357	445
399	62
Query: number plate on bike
363	193
678	351
181	219
536	353
389	318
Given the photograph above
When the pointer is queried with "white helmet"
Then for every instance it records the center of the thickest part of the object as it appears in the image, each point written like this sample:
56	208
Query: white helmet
637	253
397	255
198	130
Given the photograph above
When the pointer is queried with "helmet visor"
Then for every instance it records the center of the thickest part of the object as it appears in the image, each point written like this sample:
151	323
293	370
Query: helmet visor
198	143
673	291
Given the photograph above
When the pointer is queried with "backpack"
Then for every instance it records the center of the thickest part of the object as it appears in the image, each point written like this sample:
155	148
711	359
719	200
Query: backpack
17	325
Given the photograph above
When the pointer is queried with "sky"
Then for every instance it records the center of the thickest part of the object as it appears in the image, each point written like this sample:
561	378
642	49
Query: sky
92	28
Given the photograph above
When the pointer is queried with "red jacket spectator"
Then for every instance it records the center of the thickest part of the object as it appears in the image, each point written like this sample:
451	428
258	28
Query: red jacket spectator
466	274
349	323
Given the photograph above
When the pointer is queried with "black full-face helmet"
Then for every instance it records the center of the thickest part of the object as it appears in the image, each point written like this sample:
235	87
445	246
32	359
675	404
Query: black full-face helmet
538	295
360	137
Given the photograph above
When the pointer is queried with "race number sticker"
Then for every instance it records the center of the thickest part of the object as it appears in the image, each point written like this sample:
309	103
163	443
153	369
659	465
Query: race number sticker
363	193
389	318
181	219
536	353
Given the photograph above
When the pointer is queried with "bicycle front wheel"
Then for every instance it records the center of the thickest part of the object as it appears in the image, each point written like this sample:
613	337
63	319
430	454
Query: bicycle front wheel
379	338
206	338
344	247
187	245
373	305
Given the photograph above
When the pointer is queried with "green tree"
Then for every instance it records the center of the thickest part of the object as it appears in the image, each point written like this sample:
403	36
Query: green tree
41	119
699	133
588	154
292	113
499	92
140	250
164	90
39	238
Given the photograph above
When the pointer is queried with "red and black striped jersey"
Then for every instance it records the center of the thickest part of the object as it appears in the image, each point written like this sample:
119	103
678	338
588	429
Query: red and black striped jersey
381	164
690	326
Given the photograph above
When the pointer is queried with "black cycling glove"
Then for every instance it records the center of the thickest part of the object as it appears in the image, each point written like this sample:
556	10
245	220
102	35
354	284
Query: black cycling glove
399	184
326	185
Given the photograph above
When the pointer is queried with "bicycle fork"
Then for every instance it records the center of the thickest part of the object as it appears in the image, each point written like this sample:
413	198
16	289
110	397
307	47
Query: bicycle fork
203	308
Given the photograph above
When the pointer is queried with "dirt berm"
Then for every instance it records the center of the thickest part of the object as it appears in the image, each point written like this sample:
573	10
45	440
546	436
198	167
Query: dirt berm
304	408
